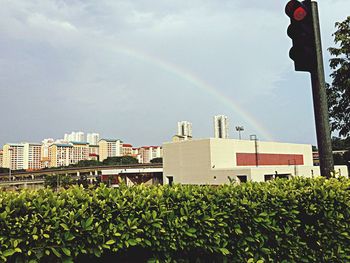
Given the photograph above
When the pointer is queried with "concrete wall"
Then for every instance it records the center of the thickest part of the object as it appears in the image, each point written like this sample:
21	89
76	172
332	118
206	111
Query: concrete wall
213	161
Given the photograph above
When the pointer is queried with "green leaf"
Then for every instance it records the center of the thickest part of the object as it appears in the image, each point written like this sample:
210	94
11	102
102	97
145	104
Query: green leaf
57	254
89	221
9	252
110	242
224	251
66	251
64	226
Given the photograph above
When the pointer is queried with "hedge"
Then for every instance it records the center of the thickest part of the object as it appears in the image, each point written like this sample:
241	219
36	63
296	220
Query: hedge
297	220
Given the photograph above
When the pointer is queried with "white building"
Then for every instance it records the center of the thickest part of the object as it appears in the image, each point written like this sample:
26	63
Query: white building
74	137
93	138
184	128
32	156
217	161
221	126
147	153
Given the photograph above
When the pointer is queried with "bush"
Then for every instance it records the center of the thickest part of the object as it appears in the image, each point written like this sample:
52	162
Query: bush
298	220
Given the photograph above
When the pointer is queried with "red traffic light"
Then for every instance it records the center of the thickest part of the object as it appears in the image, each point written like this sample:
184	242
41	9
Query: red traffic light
295	10
299	14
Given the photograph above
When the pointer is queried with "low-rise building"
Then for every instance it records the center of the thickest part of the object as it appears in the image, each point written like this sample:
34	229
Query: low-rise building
217	161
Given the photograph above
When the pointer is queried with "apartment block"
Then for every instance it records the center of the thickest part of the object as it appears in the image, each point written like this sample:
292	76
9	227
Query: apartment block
221	126
126	149
32	156
147	153
109	148
1	158
79	152
93	152
93	138
59	154
13	156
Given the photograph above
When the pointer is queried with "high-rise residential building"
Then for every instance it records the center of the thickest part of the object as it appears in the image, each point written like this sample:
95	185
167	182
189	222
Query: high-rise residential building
79	152
1	158
13	156
147	153
221	126
93	152
109	148
126	149
74	137
32	156
93	138
184	128
59	154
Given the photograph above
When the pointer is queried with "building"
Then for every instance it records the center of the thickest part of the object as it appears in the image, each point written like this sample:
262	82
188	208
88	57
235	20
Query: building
59	154
221	126
93	138
184	129
93	152
147	153
218	161
13	156
1	158
32	159
79	152
109	148
126	149
74	137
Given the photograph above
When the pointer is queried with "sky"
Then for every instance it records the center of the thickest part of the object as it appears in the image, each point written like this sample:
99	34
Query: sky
131	69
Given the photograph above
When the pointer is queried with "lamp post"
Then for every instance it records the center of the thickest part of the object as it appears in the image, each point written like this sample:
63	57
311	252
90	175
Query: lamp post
239	129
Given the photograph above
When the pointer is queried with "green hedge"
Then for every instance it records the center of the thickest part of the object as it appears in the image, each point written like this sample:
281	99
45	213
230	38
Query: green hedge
298	220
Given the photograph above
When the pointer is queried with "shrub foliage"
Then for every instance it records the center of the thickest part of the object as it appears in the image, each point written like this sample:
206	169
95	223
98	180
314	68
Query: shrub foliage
298	220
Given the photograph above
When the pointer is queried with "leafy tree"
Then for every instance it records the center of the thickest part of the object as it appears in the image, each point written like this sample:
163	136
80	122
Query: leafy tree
340	144
55	181
339	90
119	160
86	163
157	160
4	170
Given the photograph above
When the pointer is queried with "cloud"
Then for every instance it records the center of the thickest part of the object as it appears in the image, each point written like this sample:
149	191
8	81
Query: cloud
126	68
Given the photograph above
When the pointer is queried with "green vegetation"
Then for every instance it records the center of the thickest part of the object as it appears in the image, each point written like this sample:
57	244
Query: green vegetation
298	220
157	160
338	92
119	160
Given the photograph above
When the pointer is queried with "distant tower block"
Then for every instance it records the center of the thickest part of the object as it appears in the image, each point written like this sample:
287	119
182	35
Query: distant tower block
221	126
184	131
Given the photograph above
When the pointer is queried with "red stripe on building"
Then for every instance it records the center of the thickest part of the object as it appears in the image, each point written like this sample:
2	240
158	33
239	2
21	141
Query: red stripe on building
249	159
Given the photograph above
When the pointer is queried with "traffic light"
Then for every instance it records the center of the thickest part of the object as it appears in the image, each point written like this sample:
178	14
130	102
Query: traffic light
301	32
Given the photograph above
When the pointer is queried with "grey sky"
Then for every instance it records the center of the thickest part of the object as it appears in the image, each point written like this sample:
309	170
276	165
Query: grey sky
133	69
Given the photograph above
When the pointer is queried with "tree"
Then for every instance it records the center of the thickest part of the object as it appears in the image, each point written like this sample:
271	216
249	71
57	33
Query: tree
119	160
157	160
339	90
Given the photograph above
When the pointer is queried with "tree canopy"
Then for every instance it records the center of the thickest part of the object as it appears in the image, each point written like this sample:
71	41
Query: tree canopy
339	90
119	160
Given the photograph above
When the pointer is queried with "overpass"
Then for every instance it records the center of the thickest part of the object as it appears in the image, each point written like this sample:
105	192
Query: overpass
126	170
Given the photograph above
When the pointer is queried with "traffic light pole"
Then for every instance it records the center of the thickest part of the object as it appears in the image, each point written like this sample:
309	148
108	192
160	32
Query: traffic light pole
320	102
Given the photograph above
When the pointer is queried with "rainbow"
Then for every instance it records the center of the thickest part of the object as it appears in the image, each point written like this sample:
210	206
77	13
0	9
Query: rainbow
191	78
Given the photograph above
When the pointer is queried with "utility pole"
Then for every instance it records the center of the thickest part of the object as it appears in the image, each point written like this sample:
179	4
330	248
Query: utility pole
306	52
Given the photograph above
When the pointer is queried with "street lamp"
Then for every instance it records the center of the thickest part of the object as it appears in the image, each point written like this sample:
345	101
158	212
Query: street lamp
239	129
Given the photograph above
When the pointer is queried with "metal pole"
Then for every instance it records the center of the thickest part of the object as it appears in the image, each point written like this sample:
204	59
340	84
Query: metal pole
320	102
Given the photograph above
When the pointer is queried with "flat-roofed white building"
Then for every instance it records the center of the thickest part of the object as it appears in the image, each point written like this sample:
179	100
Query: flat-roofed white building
217	161
32	156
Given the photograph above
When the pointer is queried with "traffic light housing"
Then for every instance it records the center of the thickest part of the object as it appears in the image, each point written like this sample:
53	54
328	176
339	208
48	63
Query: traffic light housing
301	32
